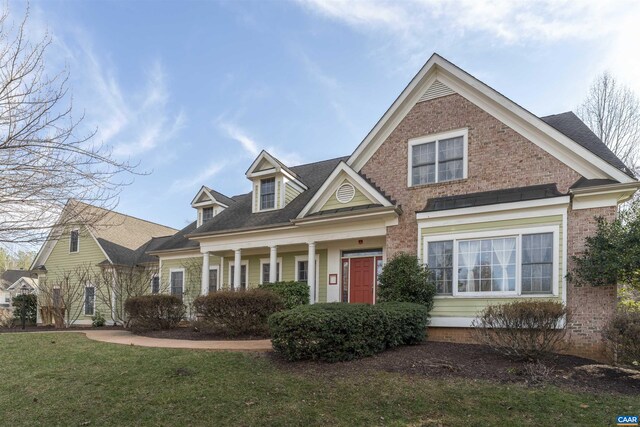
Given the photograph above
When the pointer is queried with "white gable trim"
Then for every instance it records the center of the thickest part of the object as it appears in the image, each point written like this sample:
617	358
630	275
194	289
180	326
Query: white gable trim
522	121
330	185
204	190
47	248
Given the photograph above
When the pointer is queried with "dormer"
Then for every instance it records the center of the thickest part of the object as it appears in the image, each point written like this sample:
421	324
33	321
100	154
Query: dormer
209	203
274	185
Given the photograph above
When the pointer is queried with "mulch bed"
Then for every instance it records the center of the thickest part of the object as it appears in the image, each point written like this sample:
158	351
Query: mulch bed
189	333
32	328
441	360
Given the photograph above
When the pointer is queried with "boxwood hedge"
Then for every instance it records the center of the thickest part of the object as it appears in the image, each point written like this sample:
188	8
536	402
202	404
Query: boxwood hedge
335	332
293	294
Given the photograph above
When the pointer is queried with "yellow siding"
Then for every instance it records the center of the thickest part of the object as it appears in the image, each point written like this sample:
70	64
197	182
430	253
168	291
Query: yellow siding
359	199
61	262
290	193
469	307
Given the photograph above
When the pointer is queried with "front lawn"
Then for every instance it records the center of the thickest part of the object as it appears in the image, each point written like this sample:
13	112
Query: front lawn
66	379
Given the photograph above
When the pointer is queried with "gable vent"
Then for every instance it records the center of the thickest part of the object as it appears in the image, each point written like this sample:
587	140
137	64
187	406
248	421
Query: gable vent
345	193
436	90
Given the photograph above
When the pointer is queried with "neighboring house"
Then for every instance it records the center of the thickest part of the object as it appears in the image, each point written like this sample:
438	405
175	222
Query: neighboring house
493	198
11	282
112	242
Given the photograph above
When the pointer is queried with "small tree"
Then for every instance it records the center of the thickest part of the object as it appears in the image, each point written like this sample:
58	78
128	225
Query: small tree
405	279
30	302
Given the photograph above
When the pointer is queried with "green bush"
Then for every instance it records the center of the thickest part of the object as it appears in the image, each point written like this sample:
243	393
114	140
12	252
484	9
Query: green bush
405	279
623	336
336	331
153	312
237	313
31	308
98	320
527	329
293	294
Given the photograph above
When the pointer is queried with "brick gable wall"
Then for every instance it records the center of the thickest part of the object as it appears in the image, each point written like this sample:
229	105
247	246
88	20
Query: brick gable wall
499	158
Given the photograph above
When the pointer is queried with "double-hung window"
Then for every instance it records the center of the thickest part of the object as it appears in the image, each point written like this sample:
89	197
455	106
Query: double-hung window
502	265
213	280
243	275
155	284
177	283
267	193
437	159
207	214
266	270
303	271
74	241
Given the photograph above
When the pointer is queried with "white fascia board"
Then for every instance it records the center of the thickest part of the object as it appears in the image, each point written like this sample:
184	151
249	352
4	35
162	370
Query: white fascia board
522	121
500	207
324	194
603	196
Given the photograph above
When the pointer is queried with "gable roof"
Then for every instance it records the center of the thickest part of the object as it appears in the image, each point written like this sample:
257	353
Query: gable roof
119	236
212	194
29	281
578	157
239	216
571	125
9	277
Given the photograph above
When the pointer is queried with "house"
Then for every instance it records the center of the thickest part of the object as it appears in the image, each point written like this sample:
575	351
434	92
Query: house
11	282
75	259
493	198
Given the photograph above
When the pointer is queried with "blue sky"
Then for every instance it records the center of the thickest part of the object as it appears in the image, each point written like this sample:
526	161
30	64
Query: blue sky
193	90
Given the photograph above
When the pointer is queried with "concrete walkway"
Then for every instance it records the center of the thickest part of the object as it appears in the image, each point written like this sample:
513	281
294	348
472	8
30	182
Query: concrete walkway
127	338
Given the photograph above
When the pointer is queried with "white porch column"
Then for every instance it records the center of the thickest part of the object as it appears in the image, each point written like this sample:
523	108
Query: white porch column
204	290
273	264
237	268
311	274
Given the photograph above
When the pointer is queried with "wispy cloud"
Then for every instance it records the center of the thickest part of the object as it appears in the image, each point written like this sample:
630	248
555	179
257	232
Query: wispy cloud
199	178
251	147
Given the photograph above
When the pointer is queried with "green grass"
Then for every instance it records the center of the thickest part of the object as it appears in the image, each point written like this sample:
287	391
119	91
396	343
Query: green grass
65	379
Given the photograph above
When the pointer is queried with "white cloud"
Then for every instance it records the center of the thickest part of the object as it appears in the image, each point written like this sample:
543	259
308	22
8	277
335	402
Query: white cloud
199	178
251	147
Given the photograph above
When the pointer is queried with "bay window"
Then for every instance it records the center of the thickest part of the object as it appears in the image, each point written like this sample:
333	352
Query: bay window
502	265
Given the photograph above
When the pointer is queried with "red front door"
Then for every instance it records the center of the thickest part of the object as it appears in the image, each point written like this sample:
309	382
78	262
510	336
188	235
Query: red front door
361	276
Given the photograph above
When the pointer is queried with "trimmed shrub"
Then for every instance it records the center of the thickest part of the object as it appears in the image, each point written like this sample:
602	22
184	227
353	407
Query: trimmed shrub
525	329
623	336
293	294
335	332
98	320
237	313
405	279
31	308
153	312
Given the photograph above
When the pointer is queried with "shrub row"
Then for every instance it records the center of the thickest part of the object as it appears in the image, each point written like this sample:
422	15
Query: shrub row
153	312
237	313
293	294
335	331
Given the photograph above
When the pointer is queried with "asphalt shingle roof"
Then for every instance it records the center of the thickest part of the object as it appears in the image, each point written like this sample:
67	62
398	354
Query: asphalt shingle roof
9	277
571	126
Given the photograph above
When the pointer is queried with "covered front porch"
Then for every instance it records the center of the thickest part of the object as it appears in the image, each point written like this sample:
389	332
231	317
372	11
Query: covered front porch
348	258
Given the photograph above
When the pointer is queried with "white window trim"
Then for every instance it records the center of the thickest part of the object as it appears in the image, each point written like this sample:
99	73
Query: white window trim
216	268
275	193
159	283
298	258
242	262
78	249
499	234
264	261
176	270
464	133
84	301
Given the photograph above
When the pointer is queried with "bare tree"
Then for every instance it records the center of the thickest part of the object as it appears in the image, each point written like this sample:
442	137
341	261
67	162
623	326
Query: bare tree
115	285
612	111
192	283
61	296
44	161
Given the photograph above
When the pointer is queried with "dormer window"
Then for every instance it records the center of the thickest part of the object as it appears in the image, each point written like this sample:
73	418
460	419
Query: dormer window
267	193
207	214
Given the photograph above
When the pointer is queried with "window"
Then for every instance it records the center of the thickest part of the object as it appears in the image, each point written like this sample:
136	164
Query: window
537	263
440	262
177	283
267	193
89	300
155	285
243	275
213	280
74	241
207	214
509	265
266	269
487	265
437	160
303	271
